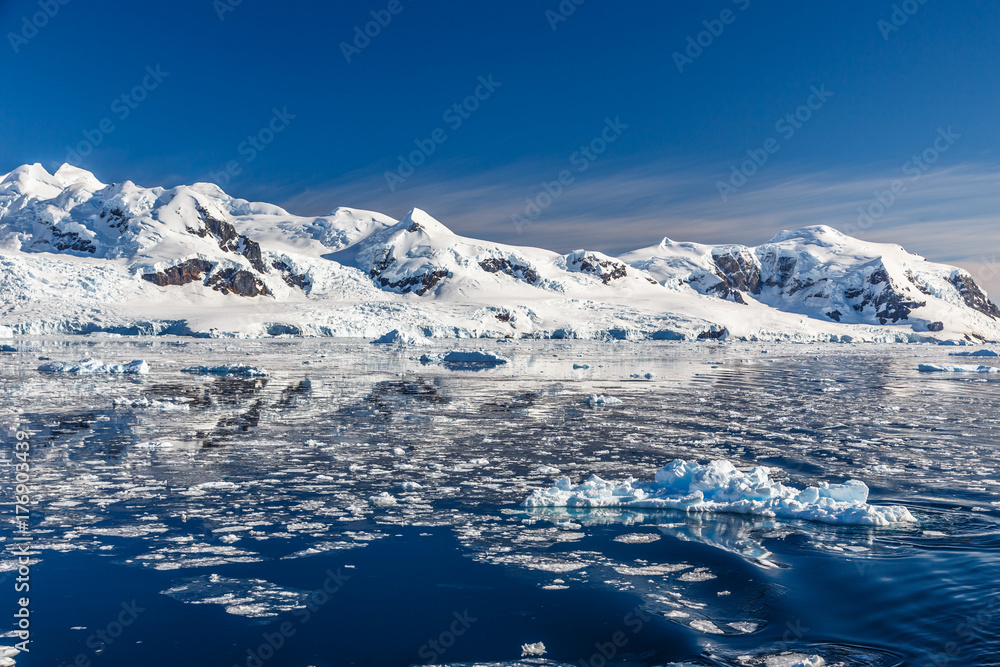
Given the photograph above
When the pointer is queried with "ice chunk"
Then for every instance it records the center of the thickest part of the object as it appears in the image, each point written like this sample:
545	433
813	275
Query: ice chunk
94	366
794	660
384	499
977	353
719	487
241	370
934	368
601	399
538	648
477	358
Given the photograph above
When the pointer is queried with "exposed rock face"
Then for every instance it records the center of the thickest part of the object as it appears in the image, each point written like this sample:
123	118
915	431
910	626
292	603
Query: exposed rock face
181	274
291	278
63	241
229	280
973	296
419	284
503	265
606	269
740	270
229	239
889	302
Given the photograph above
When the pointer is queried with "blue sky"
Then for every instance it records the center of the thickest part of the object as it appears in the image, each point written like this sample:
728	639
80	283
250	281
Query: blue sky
266	99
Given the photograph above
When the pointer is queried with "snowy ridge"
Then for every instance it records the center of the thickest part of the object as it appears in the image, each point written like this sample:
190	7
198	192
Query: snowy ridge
78	256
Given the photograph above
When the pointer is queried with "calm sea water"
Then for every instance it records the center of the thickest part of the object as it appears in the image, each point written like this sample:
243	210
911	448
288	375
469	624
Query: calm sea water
182	519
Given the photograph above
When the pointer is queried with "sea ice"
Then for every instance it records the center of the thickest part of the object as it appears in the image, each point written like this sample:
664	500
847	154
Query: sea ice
933	368
93	366
977	353
794	660
719	487
241	370
601	399
538	648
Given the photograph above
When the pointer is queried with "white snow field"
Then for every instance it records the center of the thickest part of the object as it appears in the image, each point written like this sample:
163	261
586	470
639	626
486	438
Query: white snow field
719	487
81	256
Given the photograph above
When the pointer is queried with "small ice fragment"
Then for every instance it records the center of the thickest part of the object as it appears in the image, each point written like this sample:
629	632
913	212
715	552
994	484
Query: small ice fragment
384	499
600	399
794	660
538	648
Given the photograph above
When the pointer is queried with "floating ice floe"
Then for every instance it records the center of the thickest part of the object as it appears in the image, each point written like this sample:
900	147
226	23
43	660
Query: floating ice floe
253	598
466	359
934	368
7	654
384	499
977	353
719	487
538	648
240	370
794	660
601	399
95	366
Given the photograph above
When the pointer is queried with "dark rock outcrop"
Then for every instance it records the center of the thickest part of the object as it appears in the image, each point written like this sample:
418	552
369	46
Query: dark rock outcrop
229	239
606	269
419	284
973	296
503	265
229	280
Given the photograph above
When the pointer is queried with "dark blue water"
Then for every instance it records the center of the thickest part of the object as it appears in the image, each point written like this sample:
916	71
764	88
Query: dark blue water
202	520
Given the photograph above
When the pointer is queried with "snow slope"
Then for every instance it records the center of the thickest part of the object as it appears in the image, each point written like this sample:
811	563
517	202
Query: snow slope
79	256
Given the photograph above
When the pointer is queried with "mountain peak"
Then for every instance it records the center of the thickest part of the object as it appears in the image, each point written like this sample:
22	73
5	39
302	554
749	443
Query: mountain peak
67	174
419	220
816	234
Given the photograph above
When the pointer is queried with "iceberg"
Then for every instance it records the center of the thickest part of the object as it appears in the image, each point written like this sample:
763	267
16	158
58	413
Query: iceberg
719	487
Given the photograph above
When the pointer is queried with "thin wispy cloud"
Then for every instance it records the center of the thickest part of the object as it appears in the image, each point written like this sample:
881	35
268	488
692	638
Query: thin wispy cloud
949	214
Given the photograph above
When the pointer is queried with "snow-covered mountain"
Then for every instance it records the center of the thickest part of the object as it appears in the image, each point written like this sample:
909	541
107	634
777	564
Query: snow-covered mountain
79	256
